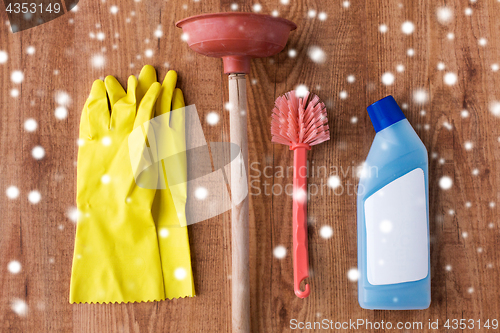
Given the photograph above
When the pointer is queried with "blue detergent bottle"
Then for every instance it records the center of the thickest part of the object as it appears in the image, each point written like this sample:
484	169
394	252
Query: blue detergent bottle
393	215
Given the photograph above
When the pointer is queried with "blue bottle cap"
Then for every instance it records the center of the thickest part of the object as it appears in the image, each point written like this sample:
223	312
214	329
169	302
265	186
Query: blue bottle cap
384	113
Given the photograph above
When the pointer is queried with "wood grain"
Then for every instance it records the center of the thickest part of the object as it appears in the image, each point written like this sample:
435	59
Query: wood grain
465	270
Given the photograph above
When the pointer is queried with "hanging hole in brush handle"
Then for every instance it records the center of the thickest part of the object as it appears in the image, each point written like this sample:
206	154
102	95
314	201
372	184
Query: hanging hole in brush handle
299	293
300	252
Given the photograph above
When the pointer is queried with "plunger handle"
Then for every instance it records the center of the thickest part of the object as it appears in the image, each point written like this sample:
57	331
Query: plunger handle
240	280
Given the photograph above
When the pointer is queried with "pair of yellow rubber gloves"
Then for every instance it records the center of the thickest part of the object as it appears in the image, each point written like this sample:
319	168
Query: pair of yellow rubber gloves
131	243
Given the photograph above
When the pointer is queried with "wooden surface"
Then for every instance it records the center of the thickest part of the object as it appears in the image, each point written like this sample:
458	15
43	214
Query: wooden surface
465	270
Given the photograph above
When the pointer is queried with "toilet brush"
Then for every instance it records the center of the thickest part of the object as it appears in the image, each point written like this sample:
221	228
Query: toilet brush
299	123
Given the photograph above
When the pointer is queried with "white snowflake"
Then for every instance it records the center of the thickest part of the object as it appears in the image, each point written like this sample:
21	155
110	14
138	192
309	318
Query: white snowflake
19	306
106	141
105	179
14	267
387	78
17	76
445	183
201	193
61	112
386	226
257	7
444	15
164	232
98	61
73	214
30	125
34	197
279	252
180	273
212	118
316	54
158	33
448	126
420	96
333	181
301	90
38	152
326	232
3	57
407	27
353	274
495	108
450	78
12	192
62	98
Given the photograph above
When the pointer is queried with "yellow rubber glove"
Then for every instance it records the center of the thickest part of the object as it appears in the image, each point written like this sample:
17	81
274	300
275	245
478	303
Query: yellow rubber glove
169	203
116	257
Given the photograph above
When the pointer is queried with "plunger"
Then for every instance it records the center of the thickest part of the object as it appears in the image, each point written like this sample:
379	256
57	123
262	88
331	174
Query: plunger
237	38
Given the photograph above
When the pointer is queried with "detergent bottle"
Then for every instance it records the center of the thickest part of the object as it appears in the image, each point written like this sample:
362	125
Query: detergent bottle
393	215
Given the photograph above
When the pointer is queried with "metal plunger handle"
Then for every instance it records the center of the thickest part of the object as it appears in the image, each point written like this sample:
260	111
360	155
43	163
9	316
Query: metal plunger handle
240	280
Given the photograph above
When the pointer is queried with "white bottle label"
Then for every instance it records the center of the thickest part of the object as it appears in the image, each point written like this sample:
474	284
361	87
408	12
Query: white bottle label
397	233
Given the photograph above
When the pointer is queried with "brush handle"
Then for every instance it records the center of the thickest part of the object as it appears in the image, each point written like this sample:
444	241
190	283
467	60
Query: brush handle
300	253
240	278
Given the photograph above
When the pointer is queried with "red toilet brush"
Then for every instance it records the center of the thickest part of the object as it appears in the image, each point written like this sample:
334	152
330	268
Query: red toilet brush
299	123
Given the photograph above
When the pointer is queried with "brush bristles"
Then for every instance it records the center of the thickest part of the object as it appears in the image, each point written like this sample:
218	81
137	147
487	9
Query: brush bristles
297	120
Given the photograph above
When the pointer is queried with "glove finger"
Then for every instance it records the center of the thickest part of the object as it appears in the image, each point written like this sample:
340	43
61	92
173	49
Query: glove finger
146	78
146	107
132	91
84	118
165	98
84	124
114	89
97	110
177	118
123	114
